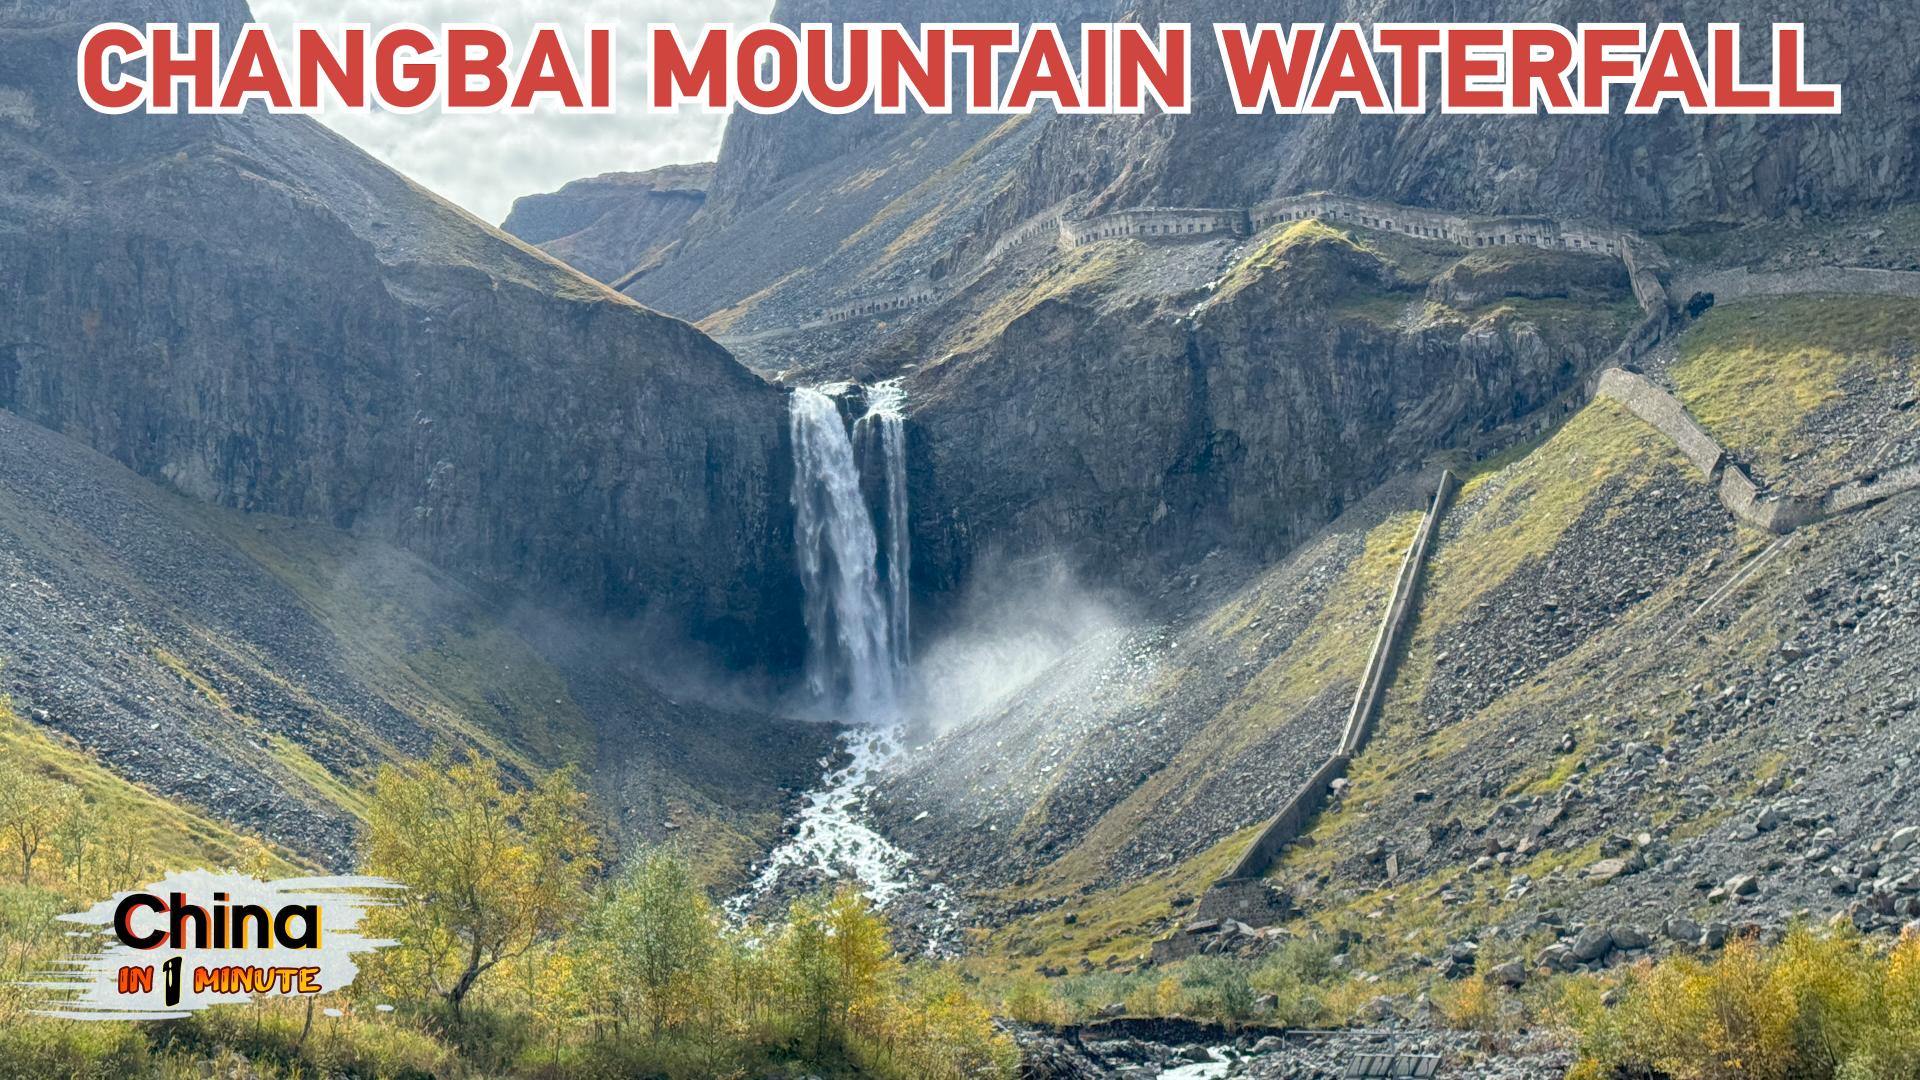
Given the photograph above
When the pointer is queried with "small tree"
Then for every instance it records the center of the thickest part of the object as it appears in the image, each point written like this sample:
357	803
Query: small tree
660	937
834	964
126	846
30	808
74	834
490	872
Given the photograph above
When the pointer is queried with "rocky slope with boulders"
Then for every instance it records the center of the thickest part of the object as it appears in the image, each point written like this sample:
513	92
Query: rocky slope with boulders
263	669
1622	727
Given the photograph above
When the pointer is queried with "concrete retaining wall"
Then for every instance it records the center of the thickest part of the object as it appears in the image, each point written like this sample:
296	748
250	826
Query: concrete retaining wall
1859	493
1739	283
1393	625
1288	824
1297	811
1738	493
1664	412
1741	496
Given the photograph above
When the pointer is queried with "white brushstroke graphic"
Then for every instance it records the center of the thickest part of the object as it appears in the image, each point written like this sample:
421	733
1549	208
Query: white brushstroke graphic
89	986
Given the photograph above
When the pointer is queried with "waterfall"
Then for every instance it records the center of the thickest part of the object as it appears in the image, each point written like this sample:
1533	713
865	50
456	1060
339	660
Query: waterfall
856	630
884	418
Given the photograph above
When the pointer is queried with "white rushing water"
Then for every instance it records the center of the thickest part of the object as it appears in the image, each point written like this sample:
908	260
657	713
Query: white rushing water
856	633
854	556
833	838
885	420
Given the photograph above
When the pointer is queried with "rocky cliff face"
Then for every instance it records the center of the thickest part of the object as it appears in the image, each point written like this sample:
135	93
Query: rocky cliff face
254	311
1650	172
761	153
264	668
810	211
610	224
1140	430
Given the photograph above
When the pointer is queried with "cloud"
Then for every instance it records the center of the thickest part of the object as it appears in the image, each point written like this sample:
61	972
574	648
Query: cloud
485	162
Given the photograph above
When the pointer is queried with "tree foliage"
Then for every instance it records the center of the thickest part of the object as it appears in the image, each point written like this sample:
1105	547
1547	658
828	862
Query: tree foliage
491	871
32	807
660	941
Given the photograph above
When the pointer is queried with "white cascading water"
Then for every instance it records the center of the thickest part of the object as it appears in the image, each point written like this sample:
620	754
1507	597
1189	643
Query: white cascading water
857	627
884	418
856	633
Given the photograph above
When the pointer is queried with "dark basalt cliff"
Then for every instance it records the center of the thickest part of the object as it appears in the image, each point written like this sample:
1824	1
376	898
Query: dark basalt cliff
256	312
1134	436
1139	433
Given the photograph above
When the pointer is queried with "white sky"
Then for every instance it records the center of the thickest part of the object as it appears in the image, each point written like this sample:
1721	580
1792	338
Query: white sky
485	162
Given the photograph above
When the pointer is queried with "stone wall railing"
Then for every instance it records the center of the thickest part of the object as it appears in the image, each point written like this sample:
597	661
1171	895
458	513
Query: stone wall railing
1154	222
873	305
1739	283
1643	261
1466	230
1039	226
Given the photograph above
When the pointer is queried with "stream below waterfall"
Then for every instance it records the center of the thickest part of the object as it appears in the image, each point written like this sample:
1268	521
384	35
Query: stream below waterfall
852	556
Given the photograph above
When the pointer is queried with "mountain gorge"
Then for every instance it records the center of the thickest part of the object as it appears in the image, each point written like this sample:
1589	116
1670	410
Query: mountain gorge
255	315
309	471
1227	438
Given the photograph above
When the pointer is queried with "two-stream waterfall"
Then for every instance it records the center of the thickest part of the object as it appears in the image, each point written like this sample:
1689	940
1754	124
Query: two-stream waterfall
856	589
851	548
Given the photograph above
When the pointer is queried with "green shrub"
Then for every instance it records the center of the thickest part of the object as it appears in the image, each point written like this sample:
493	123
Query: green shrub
1813	1007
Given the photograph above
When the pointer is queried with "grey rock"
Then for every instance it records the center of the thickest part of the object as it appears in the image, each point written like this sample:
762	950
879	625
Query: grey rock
1605	870
1629	937
606	225
1591	943
1682	929
1511	973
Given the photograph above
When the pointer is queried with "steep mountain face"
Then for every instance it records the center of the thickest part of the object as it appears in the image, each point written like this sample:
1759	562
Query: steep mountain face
610	224
763	152
1142	415
1205	426
1617	710
254	311
309	471
811	215
263	668
1650	172
855	225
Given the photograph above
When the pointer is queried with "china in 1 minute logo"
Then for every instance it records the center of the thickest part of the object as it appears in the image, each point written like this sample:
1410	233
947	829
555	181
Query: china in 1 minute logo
203	938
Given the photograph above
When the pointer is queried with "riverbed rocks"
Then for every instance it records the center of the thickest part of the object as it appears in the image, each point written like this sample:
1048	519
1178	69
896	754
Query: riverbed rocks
1141	1048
